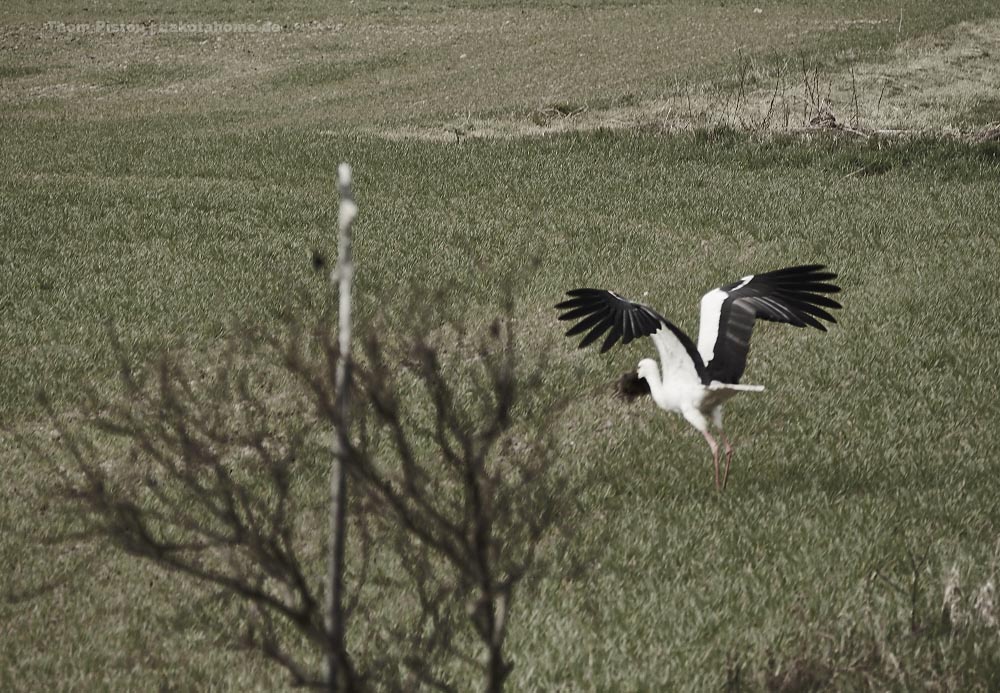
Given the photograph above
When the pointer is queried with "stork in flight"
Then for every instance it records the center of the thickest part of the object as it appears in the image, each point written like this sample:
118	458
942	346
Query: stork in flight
697	382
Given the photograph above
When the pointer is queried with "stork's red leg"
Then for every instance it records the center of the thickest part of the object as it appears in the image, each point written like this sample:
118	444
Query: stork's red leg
715	457
729	459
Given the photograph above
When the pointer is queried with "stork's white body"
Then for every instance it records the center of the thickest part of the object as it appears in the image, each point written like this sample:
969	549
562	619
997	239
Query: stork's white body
696	402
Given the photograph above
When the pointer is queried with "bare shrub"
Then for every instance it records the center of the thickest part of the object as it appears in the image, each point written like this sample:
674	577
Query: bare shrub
205	473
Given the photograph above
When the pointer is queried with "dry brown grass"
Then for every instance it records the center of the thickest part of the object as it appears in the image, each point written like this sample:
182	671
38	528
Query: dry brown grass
948	84
501	71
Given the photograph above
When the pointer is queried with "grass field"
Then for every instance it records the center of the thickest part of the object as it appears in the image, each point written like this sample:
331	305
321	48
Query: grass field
172	186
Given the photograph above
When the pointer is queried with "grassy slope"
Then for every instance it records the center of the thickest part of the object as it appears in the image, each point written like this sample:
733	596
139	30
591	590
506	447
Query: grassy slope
870	439
372	65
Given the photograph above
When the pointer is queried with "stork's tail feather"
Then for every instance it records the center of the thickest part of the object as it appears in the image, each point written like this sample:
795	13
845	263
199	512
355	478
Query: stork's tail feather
716	385
630	387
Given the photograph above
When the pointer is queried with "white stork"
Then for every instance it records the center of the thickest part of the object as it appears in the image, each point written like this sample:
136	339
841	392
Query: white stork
697	382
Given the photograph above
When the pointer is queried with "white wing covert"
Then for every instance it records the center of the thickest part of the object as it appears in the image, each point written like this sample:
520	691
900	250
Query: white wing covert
678	366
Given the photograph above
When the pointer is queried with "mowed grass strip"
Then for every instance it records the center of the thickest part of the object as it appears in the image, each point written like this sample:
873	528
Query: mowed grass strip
871	440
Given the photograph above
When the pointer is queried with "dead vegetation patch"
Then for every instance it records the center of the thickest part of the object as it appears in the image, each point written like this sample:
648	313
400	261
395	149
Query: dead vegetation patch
923	87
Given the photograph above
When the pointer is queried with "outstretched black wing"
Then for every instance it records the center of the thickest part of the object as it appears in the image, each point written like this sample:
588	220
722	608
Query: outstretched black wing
794	295
600	312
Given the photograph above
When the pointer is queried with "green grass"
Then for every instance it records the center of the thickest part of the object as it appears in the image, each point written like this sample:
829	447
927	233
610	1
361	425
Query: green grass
18	71
868	438
985	111
144	75
871	442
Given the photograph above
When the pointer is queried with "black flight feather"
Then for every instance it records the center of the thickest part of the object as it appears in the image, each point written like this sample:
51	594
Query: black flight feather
797	296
